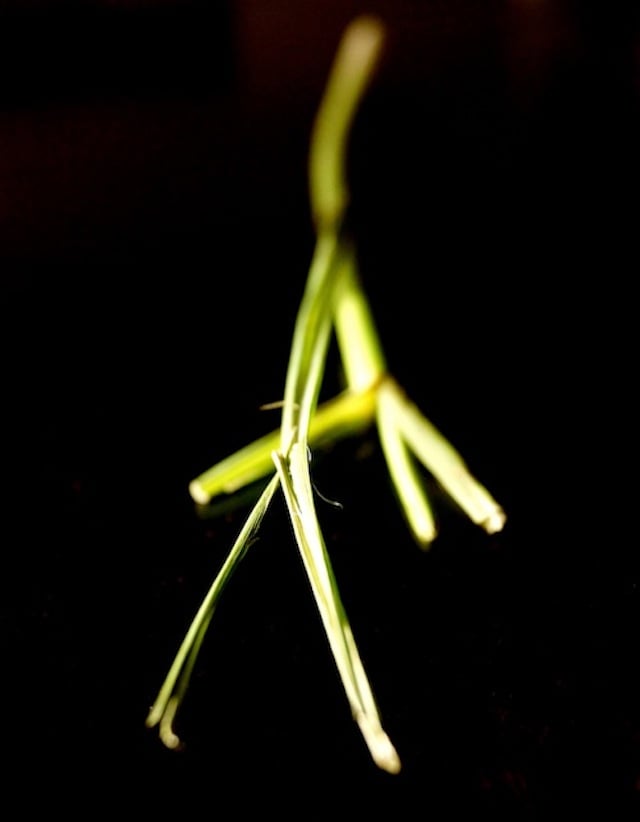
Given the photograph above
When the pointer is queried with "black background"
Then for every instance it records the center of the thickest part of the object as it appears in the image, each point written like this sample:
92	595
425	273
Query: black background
154	242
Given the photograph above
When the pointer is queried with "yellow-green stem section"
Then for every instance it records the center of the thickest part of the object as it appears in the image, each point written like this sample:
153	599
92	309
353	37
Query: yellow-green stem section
294	477
346	414
351	72
440	458
310	339
360	349
168	698
403	471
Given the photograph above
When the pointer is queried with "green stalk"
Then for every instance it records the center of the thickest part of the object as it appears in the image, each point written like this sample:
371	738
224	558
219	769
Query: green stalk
350	72
443	461
176	682
294	477
360	349
405	477
348	413
401	426
310	341
332	298
365	366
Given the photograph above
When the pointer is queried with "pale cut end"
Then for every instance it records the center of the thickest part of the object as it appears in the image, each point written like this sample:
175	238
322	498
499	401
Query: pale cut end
382	751
424	531
198	494
169	738
167	735
364	35
153	717
418	513
386	757
495	521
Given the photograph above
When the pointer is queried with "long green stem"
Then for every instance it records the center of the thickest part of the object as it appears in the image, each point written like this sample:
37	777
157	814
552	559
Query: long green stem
310	341
351	72
348	413
360	349
365	366
404	475
297	490
332	298
402	427
176	681
308	353
443	461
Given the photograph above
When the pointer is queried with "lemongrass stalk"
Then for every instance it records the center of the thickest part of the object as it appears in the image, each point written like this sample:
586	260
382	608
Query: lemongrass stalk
295	483
312	330
310	341
404	475
402	425
168	698
352	68
166	726
442	460
365	366
348	413
334	297
304	376
360	349
351	71
293	469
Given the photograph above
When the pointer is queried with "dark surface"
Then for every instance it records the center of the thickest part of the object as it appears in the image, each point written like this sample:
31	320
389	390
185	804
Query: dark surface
154	242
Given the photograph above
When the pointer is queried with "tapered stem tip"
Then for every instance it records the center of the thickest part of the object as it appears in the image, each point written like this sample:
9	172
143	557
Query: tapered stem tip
365	34
198	494
495	521
386	757
382	751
